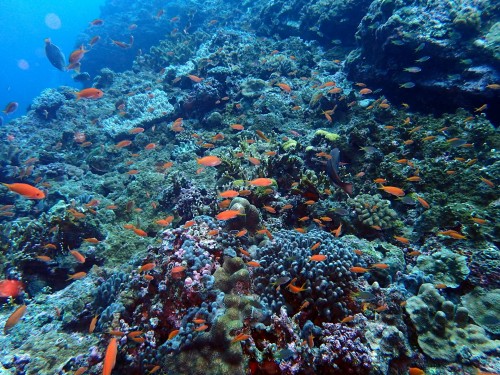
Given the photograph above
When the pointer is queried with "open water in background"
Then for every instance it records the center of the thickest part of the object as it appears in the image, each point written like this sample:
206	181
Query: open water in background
24	69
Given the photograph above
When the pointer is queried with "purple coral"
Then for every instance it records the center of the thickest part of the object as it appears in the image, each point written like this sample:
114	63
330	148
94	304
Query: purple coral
342	351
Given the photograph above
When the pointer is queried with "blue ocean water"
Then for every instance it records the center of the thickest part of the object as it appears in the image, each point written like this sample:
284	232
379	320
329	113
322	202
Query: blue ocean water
24	68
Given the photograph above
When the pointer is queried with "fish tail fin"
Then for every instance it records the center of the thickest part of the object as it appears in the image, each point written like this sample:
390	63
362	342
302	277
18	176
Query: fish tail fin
77	94
347	188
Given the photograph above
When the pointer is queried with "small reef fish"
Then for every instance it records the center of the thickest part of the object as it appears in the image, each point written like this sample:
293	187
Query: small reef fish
294	288
194	78
77	55
25	190
77	276
240	337
261	182
209	161
90	93
93	323
229	194
11	108
404	240
78	256
358	269
14	318
110	357
393	190
55	56
332	168
317	258
97	22
227	215
453	234
173	333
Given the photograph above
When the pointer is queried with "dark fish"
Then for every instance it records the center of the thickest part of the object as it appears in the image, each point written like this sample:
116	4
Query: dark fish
55	55
332	169
457	142
341	211
10	108
82	77
409	201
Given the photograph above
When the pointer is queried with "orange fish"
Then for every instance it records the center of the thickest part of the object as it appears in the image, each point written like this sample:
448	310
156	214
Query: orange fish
261	182
91	240
241	233
414	179
253	160
315	246
201	328
90	93
240	337
262	136
284	87
347	319
172	334
77	55
189	223
77	276
194	78
147	267
380	266
337	231
229	194
269	209
124	143
25	190
485	180
227	215
209	161
110	357
150	146
404	240
253	263
140	232
423	202
294	288
358	269
393	190
78	256
317	258
453	234
237	127
14	318
365	91
93	323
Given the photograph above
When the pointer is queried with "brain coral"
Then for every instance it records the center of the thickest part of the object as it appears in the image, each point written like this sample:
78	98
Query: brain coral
327	283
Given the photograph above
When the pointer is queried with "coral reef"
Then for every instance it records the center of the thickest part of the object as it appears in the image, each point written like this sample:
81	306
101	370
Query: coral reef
374	211
483	306
443	329
447	267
